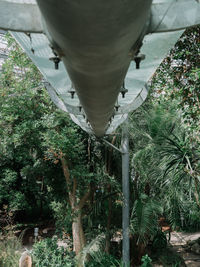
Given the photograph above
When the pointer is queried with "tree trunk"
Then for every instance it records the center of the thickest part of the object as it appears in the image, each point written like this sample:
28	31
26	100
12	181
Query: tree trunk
79	240
196	193
78	235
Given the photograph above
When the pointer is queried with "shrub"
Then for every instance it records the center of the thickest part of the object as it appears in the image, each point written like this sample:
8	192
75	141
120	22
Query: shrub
146	261
159	241
9	251
100	259
46	253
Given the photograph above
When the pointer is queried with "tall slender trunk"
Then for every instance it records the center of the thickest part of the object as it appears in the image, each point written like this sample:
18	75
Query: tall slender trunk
78	235
79	240
77	204
197	189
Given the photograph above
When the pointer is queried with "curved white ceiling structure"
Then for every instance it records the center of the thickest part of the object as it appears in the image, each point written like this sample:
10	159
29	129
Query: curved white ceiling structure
97	42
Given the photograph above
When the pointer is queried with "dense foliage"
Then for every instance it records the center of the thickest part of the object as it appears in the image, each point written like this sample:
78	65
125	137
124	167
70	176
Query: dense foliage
51	169
47	253
165	134
49	166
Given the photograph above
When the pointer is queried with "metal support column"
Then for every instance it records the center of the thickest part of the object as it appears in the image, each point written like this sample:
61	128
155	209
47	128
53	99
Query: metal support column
125	190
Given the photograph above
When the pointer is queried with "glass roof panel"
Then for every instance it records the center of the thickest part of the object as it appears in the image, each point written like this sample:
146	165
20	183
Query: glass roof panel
155	47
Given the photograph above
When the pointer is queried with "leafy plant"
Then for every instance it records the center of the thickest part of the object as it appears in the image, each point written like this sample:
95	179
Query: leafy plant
101	259
146	261
46	253
93	255
169	258
9	250
144	218
23	102
159	241
144	224
166	160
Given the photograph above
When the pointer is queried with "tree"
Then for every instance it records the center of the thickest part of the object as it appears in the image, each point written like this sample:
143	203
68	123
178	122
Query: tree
166	161
178	78
37	143
46	158
66	147
144	224
23	103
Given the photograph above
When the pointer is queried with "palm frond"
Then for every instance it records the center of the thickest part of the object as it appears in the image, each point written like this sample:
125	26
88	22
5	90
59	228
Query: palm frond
93	247
144	218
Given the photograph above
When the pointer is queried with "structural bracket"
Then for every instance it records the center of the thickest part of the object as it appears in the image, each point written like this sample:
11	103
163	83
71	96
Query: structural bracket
111	145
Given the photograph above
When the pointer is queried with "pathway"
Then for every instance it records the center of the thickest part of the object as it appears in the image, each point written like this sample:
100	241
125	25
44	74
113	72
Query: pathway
178	240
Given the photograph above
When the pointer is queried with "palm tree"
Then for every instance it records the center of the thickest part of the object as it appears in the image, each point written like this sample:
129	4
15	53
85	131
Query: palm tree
180	160
144	224
166	157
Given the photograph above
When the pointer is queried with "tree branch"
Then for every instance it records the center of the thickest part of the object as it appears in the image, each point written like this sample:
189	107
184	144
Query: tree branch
74	187
66	171
84	199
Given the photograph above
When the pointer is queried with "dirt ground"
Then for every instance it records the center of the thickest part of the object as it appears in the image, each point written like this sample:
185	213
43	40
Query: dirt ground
178	240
